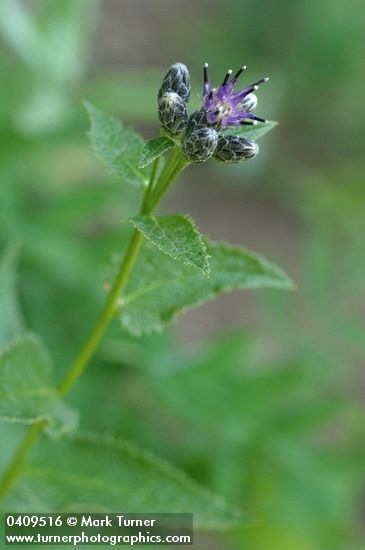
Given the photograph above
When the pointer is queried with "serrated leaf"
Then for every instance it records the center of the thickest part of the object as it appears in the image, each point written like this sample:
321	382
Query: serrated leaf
253	132
27	391
115	475
153	149
120	148
177	237
11	322
160	288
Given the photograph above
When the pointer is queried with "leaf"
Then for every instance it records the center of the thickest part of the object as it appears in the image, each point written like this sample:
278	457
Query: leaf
177	237
160	288
153	149
11	322
253	132
104	474
120	148
27	392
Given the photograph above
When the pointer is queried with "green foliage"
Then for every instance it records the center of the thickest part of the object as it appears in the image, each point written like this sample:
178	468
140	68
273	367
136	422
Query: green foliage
153	149
177	237
272	419
120	148
51	41
27	389
277	447
11	322
160	287
116	475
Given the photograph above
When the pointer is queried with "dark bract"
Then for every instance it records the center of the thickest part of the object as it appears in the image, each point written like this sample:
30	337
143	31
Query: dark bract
231	148
176	80
200	145
172	113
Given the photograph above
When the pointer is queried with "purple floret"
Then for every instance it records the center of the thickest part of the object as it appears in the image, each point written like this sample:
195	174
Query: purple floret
223	106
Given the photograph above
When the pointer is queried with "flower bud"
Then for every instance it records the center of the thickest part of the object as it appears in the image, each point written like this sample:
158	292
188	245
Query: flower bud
176	80
200	145
172	113
231	148
197	120
249	103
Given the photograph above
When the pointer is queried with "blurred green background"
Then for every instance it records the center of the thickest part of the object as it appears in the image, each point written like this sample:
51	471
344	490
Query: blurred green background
259	395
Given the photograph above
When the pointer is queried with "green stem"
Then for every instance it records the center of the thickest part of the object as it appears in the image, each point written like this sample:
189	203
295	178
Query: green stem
16	464
152	196
106	315
151	185
172	169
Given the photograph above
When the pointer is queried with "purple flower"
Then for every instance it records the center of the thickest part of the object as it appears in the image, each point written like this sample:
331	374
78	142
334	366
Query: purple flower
224	107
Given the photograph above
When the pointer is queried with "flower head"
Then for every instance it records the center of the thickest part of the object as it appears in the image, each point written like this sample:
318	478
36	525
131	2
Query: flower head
173	96
233	149
204	134
172	113
200	145
176	80
224	107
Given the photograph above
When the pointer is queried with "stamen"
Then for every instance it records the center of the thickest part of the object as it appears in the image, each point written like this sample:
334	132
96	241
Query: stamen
224	106
260	119
260	82
255	86
205	72
227	77
239	72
